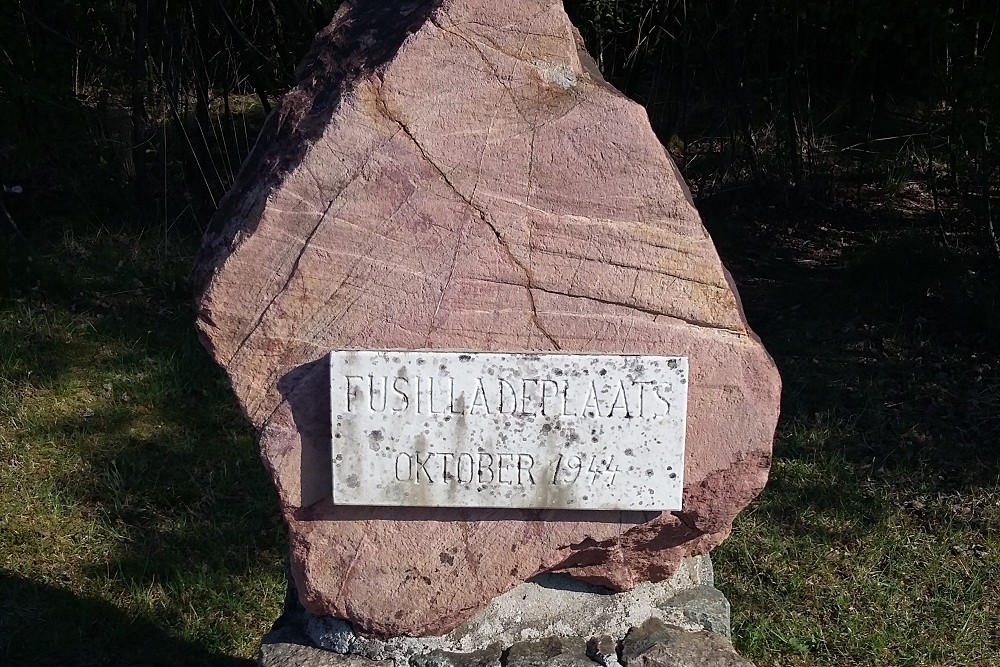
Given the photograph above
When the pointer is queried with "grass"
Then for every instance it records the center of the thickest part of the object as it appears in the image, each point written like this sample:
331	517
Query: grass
137	522
877	539
138	527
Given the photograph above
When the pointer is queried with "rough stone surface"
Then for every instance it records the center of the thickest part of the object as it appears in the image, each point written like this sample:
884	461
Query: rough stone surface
670	647
604	651
455	174
487	657
703	606
549	652
281	652
656	644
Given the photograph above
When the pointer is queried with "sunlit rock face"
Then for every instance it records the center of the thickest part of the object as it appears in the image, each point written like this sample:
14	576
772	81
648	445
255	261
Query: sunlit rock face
456	175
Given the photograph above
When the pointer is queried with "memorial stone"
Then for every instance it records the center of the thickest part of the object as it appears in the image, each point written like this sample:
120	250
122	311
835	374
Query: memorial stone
453	181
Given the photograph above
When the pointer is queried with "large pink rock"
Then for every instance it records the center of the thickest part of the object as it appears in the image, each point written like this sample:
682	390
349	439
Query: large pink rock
457	175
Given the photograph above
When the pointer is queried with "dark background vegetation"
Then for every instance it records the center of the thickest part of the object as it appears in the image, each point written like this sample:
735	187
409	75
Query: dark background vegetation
842	153
157	100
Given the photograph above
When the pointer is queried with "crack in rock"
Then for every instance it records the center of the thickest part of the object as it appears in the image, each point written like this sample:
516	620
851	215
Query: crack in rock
480	213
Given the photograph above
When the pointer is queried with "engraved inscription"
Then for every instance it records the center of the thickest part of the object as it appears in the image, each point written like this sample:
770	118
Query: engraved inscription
508	430
464	468
524	397
511	468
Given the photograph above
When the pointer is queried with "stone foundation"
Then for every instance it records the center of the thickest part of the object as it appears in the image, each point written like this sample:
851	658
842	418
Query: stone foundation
550	620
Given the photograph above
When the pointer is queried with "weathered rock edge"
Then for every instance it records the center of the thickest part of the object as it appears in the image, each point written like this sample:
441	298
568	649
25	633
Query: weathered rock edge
456	175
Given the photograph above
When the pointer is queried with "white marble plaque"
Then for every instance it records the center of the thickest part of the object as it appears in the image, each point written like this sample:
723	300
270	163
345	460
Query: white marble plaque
558	431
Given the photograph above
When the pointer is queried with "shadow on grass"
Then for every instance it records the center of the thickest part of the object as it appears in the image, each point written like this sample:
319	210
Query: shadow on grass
57	617
145	495
888	343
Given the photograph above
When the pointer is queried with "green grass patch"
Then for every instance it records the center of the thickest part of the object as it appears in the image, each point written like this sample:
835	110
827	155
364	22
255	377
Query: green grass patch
877	539
137	524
